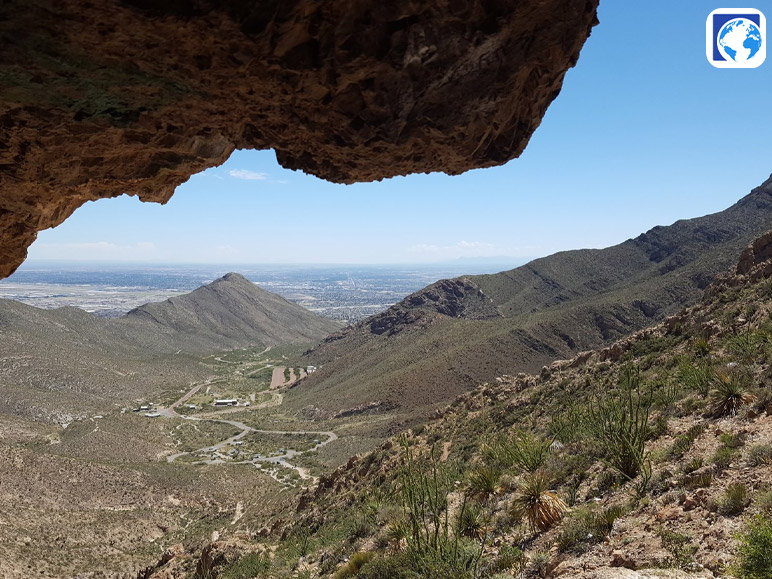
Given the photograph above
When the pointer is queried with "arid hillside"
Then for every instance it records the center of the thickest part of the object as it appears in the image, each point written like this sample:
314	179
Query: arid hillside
455	334
650	458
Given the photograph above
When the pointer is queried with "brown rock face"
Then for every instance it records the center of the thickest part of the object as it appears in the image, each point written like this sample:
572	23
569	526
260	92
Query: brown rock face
102	98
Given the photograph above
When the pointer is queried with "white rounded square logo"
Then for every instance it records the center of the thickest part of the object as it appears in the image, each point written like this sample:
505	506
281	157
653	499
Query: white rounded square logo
736	38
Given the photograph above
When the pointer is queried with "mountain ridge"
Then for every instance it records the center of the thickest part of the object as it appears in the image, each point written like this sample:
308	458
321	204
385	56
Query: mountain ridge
454	334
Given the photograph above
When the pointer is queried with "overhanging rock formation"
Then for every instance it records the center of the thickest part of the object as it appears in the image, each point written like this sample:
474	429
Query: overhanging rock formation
100	98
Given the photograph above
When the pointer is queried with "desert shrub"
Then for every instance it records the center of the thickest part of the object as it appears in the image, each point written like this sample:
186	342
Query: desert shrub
731	440
696	377
570	426
247	567
754	559
361	527
585	527
681	445
522	450
723	457
730	393
763	501
354	565
680	547
619	420
735	500
697	481
394	567
746	347
694	464
534	502
701	348
433	548
510	559
760	454
538	562
659	427
483	482
668	393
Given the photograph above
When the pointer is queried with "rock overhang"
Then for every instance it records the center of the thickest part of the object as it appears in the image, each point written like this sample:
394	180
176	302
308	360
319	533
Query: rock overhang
104	98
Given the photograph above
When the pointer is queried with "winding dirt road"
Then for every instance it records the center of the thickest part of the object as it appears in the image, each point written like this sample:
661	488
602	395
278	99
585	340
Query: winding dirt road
214	450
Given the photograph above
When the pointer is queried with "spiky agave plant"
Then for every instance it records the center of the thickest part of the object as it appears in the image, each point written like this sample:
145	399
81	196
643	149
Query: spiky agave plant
729	395
534	502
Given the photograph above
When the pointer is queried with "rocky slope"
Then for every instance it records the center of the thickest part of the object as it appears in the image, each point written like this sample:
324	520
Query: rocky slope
132	96
700	382
455	334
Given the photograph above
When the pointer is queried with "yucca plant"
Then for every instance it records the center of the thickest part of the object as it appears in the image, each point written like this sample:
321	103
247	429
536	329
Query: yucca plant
471	522
729	395
534	502
483	482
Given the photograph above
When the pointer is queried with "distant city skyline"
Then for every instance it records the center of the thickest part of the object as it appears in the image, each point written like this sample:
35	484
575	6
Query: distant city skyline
644	132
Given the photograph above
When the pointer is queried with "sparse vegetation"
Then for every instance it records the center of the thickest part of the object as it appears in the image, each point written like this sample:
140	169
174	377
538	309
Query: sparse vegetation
620	422
755	550
680	546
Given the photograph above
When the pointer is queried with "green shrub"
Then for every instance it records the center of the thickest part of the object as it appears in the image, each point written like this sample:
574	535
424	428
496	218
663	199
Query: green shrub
760	454
701	348
723	457
680	547
659	427
471	522
697	481
619	420
754	559
694	464
510	559
247	567
696	377
522	450
764	502
681	445
733	441
585	527
735	500
434	549
394	567
354	565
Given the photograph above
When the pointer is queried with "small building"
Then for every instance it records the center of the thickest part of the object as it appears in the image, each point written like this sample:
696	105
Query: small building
152	414
192	406
226	402
311	369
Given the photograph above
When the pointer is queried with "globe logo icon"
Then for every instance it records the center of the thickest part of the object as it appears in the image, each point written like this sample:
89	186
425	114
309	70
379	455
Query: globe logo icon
739	40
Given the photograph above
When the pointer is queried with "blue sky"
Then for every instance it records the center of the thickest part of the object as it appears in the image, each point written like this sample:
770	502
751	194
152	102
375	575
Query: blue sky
644	132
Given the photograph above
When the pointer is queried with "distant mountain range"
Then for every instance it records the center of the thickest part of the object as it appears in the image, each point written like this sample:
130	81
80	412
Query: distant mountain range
59	360
455	334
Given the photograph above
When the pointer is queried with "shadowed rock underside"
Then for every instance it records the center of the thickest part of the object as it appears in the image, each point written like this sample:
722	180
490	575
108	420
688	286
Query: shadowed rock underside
98	99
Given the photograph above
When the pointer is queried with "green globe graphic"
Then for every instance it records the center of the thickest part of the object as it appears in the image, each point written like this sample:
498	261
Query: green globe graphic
739	40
